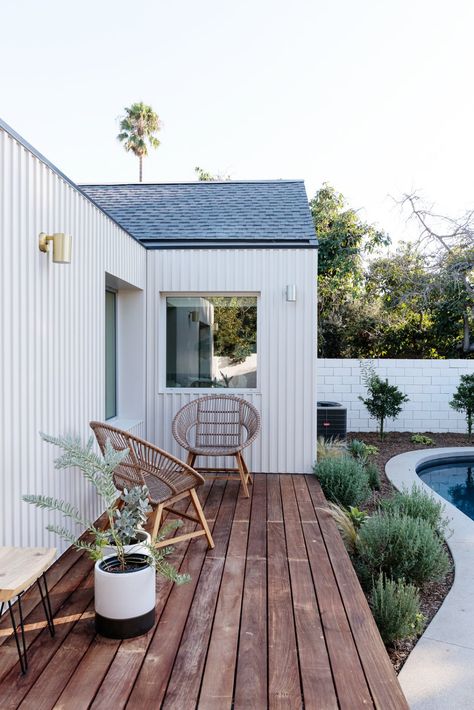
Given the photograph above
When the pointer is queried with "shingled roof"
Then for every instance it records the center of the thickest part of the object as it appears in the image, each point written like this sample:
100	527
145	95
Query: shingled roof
199	214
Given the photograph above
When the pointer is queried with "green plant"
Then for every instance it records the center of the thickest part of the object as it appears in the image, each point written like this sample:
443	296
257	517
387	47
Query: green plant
396	609
348	521
463	400
132	515
419	505
361	451
332	447
98	472
343	480
384	400
400	547
346	525
357	516
374	476
422	439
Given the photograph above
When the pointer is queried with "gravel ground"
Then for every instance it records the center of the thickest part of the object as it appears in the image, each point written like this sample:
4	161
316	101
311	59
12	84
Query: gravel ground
432	595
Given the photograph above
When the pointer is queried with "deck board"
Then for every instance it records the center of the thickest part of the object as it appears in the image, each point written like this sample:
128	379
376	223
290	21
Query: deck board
274	618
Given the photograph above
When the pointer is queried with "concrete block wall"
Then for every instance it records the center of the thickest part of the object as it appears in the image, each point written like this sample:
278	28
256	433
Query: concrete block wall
429	384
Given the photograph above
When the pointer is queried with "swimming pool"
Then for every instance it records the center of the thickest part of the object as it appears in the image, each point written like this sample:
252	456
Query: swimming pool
453	479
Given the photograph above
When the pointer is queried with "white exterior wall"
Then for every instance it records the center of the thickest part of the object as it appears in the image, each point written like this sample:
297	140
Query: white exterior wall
52	335
286	345
429	384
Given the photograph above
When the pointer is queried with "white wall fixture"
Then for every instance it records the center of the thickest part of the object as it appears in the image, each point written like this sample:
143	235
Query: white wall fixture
61	246
291	293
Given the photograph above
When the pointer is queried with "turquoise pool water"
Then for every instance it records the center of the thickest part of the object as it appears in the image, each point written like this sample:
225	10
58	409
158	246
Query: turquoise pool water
453	479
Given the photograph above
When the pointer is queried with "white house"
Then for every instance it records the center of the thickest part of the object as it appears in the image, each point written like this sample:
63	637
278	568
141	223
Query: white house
172	290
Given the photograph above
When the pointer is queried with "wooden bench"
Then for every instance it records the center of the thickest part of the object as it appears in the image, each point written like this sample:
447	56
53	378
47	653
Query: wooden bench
20	567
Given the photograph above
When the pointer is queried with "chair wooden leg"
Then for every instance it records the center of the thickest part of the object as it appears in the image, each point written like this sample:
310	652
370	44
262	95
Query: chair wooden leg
157	521
191	459
202	517
247	472
243	477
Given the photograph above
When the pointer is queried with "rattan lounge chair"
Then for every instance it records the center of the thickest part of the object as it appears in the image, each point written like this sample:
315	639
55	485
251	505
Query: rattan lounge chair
168	479
218	425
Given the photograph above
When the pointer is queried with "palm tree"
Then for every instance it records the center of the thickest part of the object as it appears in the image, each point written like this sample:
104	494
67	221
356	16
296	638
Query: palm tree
137	127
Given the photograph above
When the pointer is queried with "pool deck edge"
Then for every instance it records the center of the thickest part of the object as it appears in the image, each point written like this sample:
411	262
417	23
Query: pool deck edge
438	673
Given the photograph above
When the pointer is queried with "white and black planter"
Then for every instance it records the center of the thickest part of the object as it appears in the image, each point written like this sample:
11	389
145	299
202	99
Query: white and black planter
124	600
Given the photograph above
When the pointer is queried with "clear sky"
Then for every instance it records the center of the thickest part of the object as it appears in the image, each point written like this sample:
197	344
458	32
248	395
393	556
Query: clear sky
374	96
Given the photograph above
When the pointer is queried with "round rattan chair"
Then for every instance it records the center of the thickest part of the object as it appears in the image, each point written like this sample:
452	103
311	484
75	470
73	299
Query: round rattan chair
167	478
218	425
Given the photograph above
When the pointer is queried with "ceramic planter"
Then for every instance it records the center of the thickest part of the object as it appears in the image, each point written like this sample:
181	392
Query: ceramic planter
124	601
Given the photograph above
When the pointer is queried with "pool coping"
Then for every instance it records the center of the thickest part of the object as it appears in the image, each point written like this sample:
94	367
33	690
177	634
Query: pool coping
438	672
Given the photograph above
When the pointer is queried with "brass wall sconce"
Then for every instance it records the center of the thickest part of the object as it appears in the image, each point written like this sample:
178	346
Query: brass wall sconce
61	246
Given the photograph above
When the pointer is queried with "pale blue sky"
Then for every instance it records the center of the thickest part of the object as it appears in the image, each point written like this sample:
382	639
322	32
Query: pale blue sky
374	96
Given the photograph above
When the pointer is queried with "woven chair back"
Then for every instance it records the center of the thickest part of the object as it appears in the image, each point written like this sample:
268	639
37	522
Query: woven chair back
219	423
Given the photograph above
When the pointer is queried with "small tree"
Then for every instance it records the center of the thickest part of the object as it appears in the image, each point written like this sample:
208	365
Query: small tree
463	400
384	401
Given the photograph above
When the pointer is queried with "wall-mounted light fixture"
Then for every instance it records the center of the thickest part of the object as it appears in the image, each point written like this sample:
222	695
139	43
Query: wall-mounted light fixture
61	246
291	292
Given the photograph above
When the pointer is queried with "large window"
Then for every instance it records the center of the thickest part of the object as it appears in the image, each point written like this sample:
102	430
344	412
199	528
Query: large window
211	341
110	354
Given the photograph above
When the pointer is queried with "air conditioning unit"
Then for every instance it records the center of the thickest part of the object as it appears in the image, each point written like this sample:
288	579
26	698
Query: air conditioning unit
331	420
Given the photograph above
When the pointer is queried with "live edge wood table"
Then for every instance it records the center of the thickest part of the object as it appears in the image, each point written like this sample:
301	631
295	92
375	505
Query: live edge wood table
20	567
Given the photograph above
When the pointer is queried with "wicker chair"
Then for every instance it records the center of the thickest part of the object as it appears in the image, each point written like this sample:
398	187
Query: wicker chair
168	479
218	425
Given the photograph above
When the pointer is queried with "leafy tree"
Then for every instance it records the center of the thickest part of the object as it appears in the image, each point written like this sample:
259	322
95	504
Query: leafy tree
447	244
236	334
138	129
343	240
463	400
206	176
384	400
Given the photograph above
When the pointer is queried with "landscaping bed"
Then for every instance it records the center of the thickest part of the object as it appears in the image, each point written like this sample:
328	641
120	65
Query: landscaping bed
432	592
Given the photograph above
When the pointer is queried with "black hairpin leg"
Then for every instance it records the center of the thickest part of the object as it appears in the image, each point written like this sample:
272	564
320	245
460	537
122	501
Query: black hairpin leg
46	604
21	654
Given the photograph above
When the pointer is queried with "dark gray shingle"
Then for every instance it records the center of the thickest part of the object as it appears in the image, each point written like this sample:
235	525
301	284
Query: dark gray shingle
230	212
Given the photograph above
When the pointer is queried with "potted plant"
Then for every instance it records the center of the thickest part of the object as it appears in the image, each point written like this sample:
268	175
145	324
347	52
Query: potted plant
126	560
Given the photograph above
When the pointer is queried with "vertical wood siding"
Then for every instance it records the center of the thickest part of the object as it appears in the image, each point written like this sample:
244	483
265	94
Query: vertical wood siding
52	333
286	395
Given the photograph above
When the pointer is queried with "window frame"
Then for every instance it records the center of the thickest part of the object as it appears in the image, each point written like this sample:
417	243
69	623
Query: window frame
113	291
162	335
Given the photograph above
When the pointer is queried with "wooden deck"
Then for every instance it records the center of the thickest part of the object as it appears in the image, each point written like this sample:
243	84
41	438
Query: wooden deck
274	617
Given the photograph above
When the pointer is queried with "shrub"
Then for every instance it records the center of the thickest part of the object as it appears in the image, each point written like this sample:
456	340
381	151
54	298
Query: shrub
418	504
463	400
422	439
346	526
361	451
400	547
384	400
396	609
330	448
374	476
343	480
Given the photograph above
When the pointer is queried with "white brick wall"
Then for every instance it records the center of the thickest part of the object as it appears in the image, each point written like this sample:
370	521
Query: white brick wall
429	384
